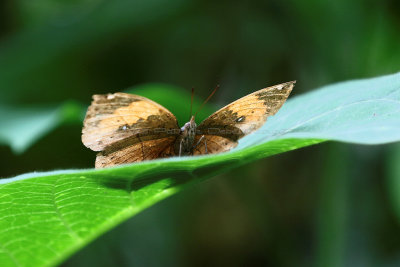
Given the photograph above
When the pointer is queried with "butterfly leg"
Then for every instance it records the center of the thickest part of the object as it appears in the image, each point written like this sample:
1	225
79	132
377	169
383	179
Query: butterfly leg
198	142
205	143
180	148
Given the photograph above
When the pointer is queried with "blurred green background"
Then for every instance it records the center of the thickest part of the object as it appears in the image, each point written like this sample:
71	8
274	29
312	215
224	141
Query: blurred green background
327	205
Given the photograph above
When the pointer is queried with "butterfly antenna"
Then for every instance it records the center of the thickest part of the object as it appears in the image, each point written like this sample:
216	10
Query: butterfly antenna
191	104
208	98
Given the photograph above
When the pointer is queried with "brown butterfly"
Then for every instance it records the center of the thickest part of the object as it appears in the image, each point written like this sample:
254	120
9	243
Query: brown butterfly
129	128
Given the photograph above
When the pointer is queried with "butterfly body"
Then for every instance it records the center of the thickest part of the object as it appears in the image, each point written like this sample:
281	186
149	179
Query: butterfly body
184	144
128	128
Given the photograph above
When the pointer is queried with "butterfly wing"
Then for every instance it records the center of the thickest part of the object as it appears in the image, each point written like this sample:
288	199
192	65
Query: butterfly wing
119	119
212	144
146	150
242	117
128	128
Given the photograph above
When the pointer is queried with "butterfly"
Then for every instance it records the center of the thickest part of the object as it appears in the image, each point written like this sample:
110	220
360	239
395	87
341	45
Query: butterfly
126	128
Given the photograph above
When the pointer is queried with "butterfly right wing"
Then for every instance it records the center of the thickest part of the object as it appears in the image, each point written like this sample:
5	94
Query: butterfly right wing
246	114
212	144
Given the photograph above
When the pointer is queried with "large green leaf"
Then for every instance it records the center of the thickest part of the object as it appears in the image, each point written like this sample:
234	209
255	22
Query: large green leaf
47	216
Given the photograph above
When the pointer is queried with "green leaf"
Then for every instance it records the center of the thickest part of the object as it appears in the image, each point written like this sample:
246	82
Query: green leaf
21	127
45	217
363	112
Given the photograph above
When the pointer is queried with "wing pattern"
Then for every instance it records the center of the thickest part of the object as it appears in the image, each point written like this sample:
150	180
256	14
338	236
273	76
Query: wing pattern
146	150
246	114
117	119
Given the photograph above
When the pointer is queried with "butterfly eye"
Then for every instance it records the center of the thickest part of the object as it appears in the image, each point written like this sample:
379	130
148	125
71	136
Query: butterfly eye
240	119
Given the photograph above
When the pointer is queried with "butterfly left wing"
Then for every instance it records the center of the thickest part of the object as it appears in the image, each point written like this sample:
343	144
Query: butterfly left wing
128	128
113	119
241	117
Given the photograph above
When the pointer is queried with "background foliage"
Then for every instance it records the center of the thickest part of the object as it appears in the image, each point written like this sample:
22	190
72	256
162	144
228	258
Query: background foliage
332	204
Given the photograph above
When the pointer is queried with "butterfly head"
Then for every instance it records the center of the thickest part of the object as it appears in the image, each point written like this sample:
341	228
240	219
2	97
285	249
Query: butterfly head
189	127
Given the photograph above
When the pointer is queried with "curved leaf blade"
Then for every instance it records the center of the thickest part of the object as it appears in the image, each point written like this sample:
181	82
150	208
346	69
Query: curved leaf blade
59	212
362	111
